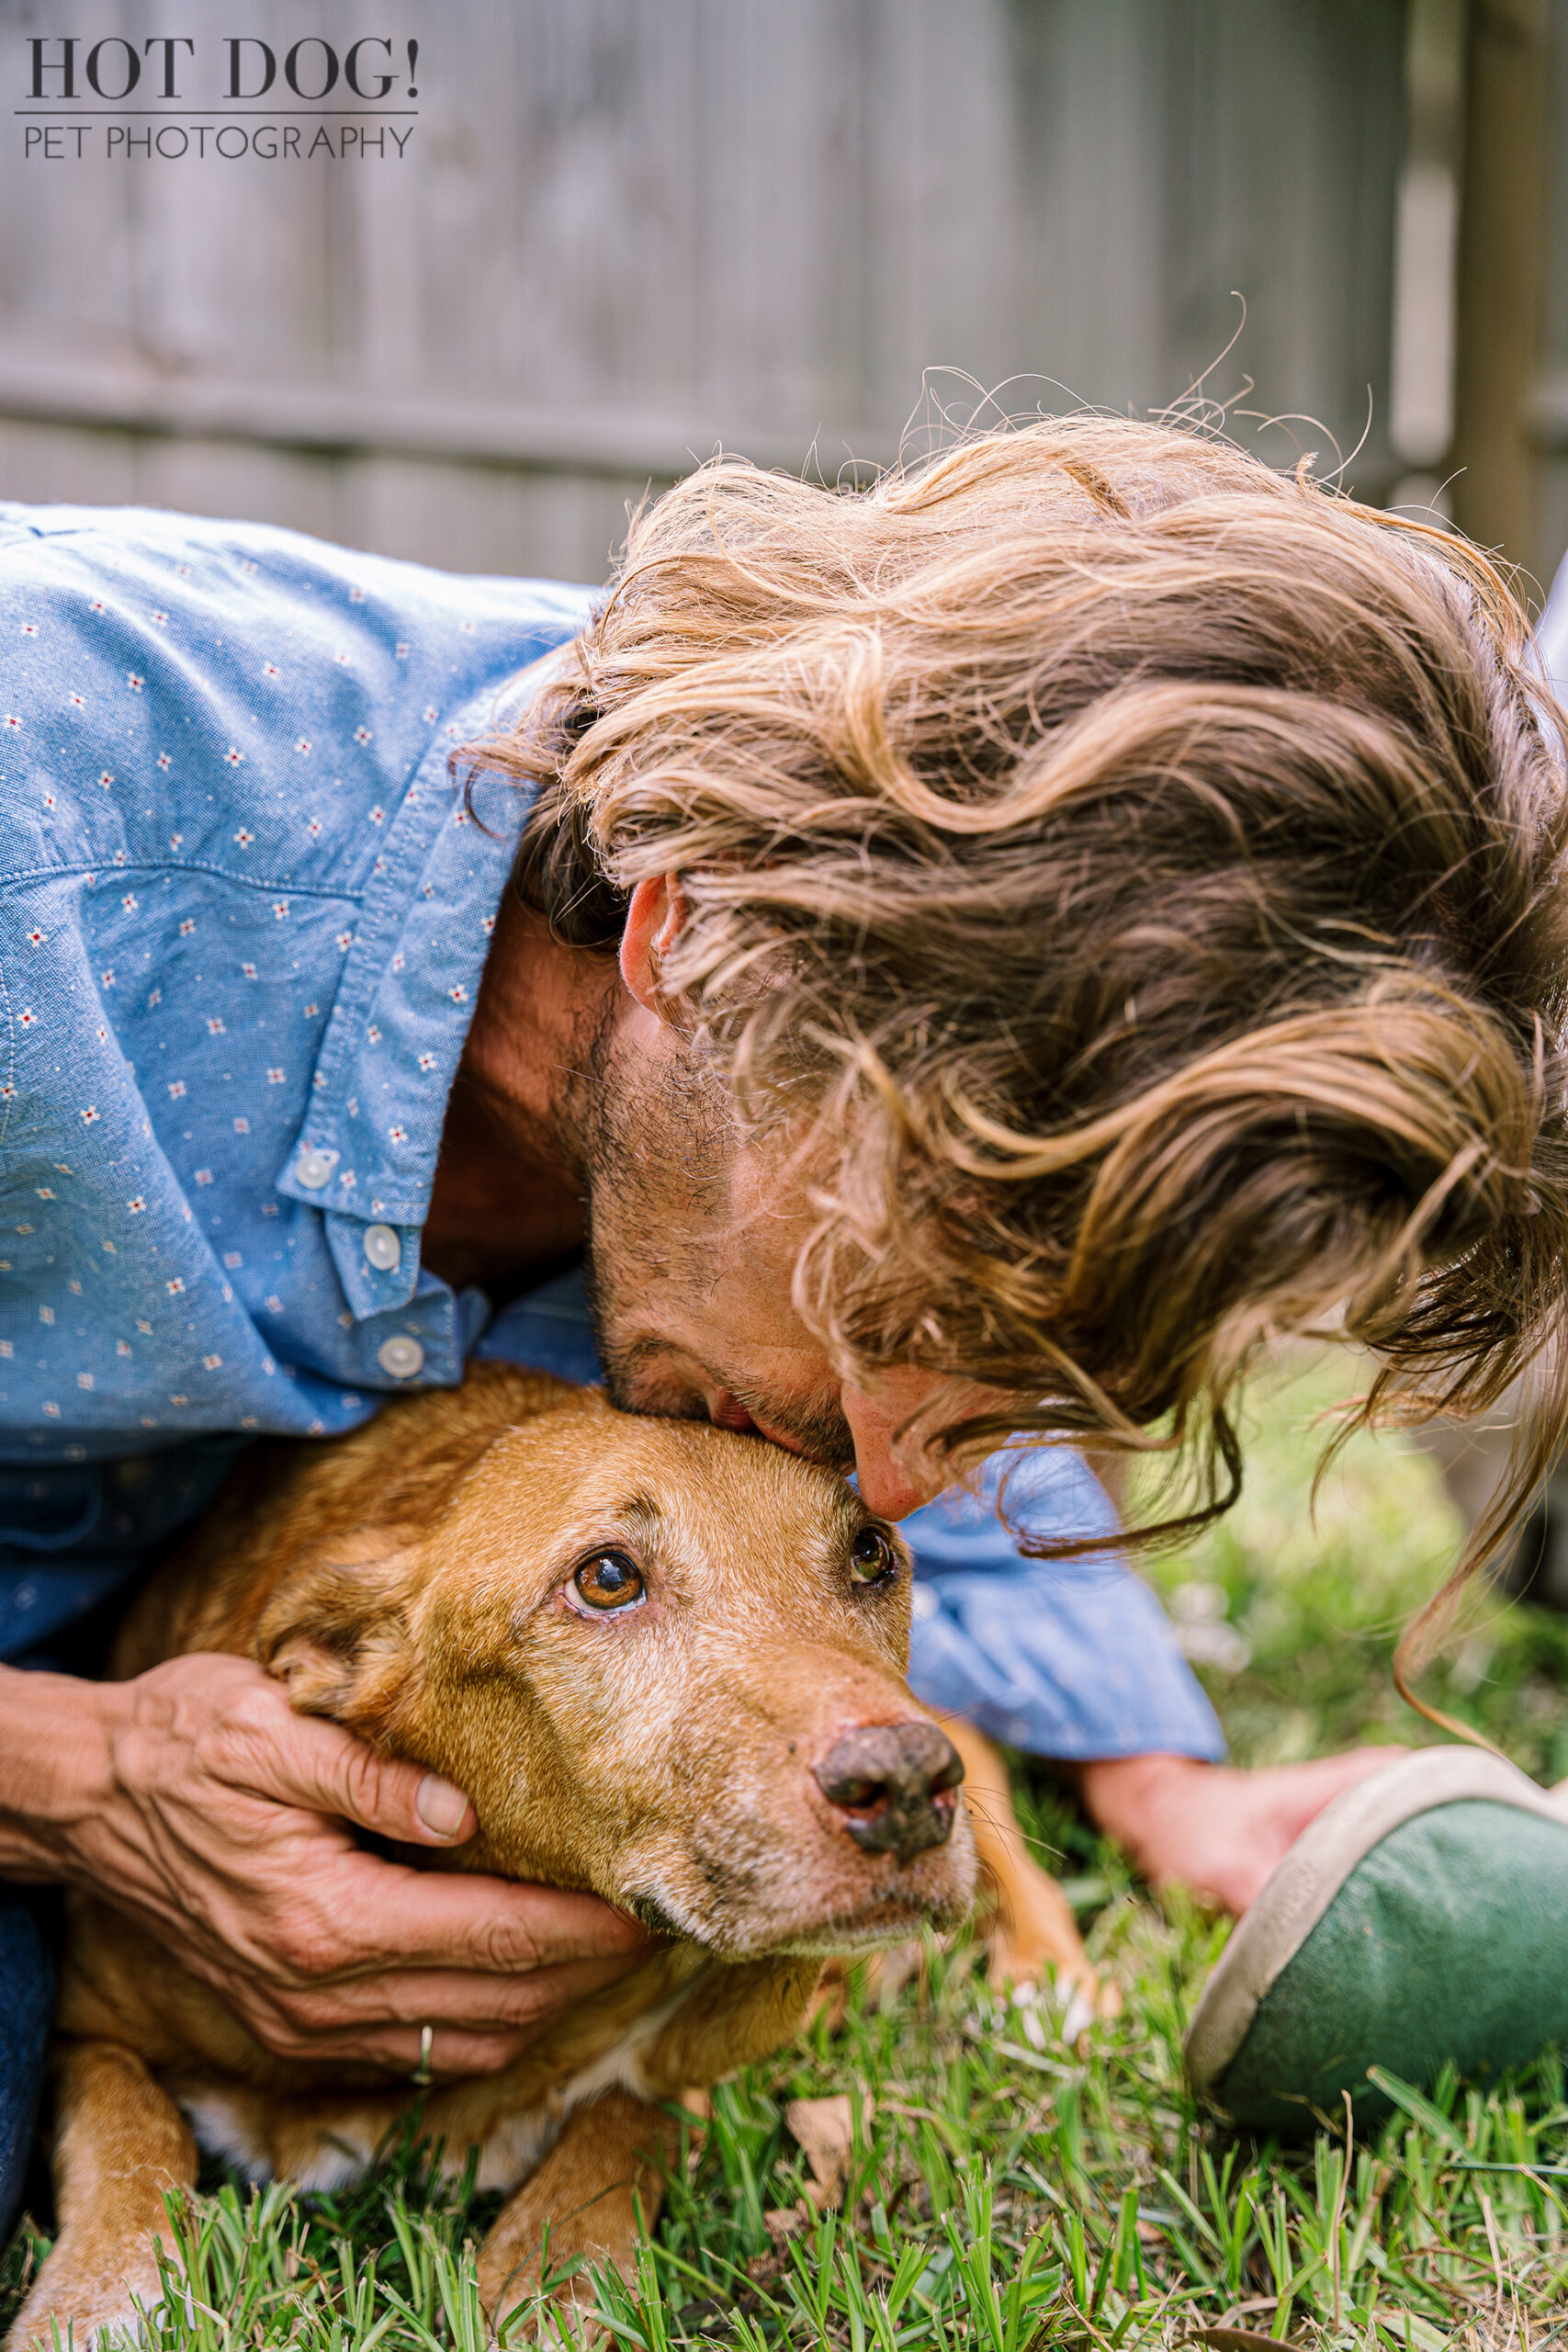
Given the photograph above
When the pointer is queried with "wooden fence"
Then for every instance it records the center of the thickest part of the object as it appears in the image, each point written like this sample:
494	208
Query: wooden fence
622	232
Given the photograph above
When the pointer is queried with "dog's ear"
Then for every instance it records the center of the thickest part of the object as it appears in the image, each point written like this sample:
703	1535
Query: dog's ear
336	1630
336	1624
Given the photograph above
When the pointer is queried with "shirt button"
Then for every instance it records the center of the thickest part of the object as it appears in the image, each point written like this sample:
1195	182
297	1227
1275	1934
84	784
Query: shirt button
313	1168
399	1356
382	1247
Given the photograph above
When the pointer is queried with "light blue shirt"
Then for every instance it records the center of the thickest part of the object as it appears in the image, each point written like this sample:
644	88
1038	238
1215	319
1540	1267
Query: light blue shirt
245	913
246	905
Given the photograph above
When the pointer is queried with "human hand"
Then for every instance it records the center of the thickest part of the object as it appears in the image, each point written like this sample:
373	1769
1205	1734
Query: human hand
196	1800
1219	1830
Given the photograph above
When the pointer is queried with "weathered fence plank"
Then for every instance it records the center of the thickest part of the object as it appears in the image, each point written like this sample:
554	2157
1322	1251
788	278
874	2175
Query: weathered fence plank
624	232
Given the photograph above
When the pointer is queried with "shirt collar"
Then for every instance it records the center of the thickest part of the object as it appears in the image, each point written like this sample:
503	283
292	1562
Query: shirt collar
367	1150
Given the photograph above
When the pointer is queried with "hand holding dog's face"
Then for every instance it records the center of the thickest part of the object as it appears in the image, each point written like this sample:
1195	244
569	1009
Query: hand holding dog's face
665	1664
675	1679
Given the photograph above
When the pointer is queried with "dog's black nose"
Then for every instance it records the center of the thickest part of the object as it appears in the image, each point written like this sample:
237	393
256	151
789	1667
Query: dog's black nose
896	1784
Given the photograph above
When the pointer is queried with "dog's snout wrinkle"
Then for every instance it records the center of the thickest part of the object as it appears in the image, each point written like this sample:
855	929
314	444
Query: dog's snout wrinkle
895	1785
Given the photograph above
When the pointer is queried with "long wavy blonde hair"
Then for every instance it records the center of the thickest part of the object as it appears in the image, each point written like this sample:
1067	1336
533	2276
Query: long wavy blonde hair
1143	870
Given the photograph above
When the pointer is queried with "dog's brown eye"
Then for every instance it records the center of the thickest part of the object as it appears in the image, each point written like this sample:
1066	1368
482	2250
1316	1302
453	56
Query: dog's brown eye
609	1580
872	1556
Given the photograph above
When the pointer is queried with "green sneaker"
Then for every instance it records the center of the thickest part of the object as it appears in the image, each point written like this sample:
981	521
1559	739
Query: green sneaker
1421	1919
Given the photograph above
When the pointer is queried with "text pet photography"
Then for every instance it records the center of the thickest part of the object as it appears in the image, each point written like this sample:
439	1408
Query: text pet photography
108	98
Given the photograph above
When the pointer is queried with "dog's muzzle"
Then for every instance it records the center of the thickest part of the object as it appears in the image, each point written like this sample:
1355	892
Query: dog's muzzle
896	1784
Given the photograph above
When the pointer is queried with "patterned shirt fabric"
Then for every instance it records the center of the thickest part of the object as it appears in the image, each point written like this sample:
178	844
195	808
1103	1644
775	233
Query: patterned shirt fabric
245	911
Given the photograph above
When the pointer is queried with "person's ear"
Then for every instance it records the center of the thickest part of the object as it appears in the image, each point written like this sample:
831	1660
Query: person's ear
653	922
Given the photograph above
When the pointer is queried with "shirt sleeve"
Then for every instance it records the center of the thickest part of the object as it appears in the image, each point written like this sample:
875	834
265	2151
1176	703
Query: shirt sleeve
1070	1659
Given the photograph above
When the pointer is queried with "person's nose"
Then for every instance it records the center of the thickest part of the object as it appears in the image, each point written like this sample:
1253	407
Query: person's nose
896	1784
887	1484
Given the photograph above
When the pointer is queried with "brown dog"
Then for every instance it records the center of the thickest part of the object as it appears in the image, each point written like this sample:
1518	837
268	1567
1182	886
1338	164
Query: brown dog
667	1664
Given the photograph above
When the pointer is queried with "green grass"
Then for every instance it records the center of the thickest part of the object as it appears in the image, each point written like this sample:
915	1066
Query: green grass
1011	2193
1320	1600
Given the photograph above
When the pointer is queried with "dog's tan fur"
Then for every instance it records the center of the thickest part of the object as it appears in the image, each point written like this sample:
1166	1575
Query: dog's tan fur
411	1583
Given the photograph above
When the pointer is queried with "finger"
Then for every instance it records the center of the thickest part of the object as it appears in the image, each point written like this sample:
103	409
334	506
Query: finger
381	1909
452	2055
445	1996
320	1767
455	2051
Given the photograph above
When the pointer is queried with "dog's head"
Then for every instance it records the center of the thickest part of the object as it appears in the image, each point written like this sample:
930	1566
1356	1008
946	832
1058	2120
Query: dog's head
665	1661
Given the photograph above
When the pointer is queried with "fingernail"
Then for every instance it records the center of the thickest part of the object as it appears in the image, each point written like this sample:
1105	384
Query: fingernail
439	1806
